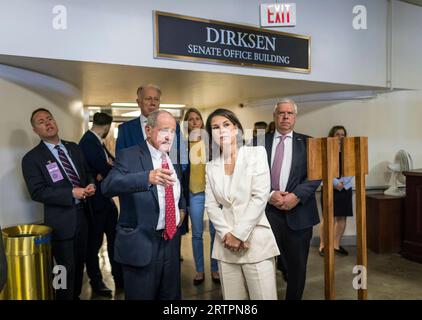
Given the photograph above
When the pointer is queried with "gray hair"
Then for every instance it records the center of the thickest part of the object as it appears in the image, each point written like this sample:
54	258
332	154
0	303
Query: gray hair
140	89
152	118
286	100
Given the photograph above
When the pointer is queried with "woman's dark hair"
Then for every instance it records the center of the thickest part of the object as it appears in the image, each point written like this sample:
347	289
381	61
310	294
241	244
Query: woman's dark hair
233	119
194	110
334	129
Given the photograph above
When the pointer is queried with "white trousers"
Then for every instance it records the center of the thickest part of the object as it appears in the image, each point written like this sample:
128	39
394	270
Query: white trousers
255	281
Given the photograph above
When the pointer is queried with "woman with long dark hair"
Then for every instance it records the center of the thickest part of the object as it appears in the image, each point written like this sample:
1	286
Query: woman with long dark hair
237	191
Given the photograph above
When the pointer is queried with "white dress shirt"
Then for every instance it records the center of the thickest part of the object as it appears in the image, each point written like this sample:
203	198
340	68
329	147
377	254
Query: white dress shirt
156	161
287	158
143	121
52	148
55	152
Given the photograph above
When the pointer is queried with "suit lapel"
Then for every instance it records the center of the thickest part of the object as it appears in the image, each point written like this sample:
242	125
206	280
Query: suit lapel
238	171
71	152
137	131
146	162
217	169
295	156
269	147
49	157
100	146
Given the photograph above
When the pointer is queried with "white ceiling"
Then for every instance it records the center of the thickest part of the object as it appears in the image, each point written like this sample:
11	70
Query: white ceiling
102	84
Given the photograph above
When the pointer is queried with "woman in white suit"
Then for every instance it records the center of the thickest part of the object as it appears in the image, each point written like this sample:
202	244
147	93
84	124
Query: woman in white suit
236	194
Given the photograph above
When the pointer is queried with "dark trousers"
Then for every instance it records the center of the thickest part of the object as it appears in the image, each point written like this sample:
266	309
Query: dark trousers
294	249
160	280
71	254
103	222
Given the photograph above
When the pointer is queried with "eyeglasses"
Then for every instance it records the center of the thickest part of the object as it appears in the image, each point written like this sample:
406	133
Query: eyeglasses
166	132
149	99
288	114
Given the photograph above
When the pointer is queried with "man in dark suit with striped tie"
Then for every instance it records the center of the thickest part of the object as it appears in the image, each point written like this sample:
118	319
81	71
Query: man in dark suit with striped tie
105	213
57	175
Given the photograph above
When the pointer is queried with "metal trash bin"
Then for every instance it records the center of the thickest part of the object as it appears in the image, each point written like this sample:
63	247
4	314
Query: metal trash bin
29	263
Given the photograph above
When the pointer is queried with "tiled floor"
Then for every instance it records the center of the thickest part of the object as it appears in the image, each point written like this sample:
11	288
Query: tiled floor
389	277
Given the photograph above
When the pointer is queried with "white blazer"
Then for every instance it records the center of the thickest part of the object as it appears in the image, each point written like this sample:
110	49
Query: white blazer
242	210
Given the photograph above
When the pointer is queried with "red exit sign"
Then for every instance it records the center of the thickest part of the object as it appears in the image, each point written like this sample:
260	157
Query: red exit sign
278	15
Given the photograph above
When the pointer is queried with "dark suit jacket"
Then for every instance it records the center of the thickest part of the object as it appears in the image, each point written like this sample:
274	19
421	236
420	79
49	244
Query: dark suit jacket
97	162
59	205
3	264
305	214
130	134
139	208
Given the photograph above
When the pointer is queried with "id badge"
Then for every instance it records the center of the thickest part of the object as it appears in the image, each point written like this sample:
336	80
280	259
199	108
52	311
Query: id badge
54	171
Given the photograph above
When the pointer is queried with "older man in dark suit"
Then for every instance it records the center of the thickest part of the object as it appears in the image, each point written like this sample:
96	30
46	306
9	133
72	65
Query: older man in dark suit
100	162
57	175
292	209
152	207
132	132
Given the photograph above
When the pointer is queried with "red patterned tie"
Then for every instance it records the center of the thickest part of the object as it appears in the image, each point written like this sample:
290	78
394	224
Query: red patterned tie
170	230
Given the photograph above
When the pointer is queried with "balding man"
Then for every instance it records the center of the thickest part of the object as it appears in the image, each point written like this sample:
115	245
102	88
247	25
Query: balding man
133	132
56	174
152	208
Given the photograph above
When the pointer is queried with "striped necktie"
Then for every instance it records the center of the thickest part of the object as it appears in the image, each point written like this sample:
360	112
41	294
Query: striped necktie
72	175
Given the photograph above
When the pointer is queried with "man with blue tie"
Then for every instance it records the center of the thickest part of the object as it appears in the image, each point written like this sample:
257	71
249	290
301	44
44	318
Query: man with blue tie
57	175
292	209
133	133
105	213
152	208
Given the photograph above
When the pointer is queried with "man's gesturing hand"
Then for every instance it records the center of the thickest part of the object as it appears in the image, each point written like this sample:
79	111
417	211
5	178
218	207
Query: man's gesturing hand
161	177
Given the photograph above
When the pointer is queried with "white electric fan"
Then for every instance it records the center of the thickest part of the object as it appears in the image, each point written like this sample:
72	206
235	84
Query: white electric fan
402	162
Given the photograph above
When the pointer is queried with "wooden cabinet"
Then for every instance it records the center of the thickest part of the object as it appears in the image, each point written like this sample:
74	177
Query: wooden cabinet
412	237
384	222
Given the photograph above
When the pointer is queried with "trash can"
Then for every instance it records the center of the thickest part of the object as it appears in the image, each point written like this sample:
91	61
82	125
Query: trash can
29	263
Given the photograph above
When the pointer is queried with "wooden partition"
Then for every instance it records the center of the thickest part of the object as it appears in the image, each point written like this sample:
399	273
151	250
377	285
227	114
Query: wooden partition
325	163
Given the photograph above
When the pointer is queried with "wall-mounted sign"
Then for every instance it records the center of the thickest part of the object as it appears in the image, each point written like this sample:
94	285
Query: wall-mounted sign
187	38
278	15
